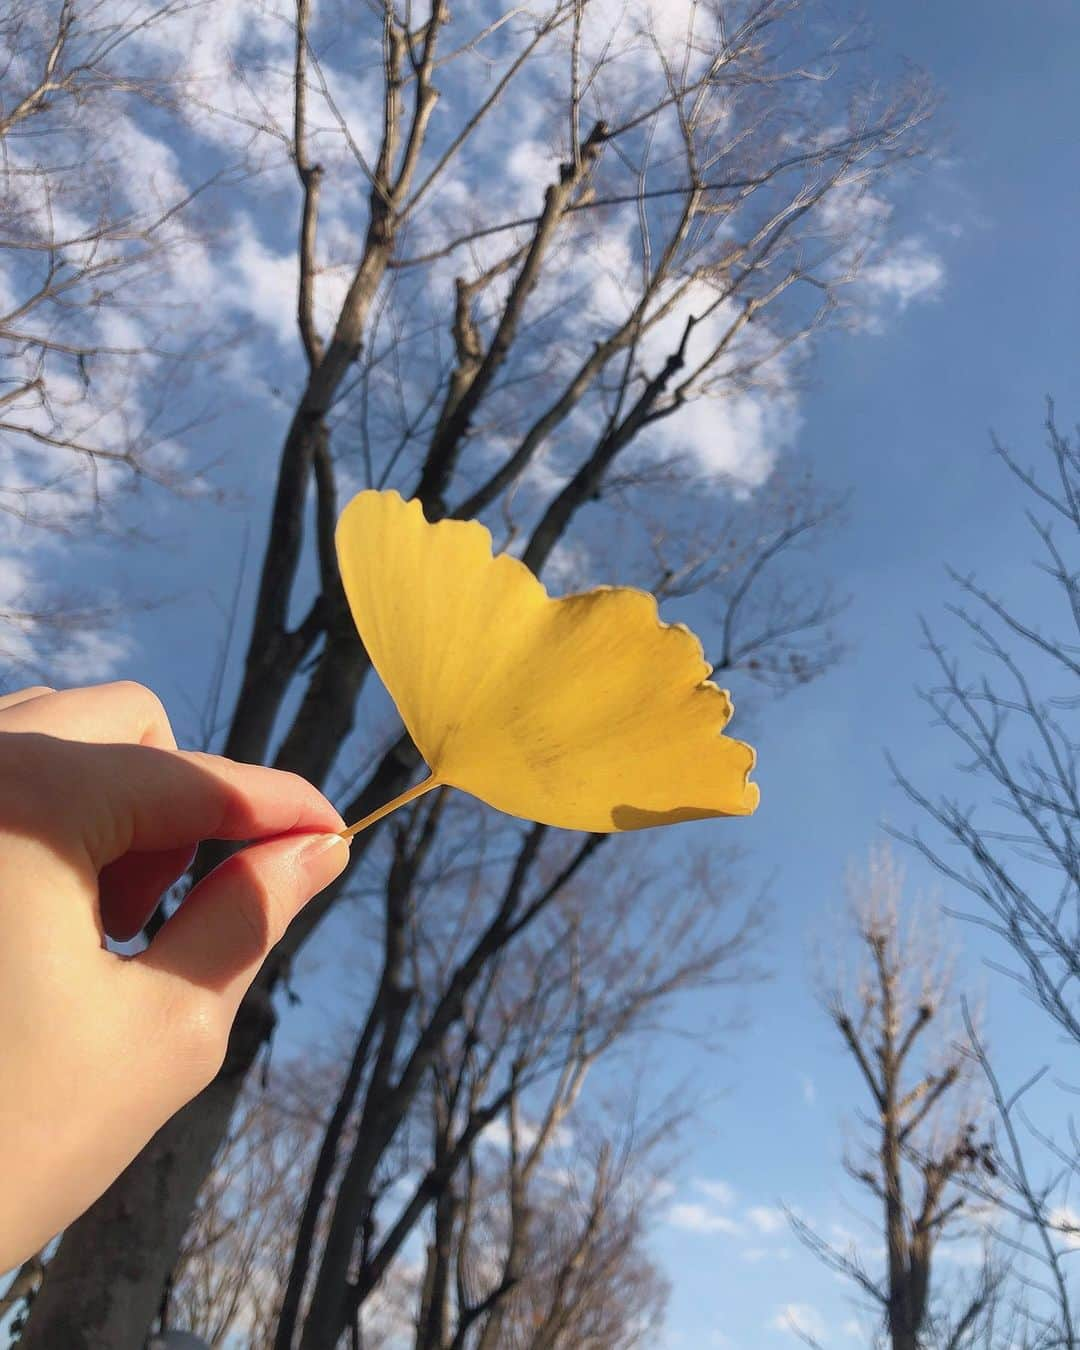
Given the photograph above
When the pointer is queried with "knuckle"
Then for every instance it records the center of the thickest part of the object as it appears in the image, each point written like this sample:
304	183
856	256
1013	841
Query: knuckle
133	689
202	1029
140	693
151	707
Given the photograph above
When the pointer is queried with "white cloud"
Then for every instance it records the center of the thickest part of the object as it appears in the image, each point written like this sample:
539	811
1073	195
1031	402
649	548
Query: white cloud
567	567
498	1134
740	436
809	1091
73	654
634	28
695	1218
89	655
565	1178
262	283
701	1217
851	208
892	277
766	1219
799	1318
972	1255
227	100
720	1191
726	431
150	165
910	271
531	166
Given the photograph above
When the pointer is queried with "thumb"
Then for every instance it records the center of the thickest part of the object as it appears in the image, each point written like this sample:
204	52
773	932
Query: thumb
231	919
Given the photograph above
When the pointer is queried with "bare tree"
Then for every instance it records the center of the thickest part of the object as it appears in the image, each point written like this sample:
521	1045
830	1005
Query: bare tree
231	1272
230	1279
711	172
506	985
572	1215
1011	722
95	344
923	1138
545	1245
1035	1219
1018	855
526	1036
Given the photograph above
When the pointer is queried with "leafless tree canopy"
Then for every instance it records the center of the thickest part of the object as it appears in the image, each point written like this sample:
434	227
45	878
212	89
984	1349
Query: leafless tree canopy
923	1137
511	966
1010	720
85	253
235	1255
545	253
1007	706
460	1116
97	339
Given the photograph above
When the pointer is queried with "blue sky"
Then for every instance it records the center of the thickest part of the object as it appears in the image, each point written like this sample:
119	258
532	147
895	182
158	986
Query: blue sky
905	420
901	418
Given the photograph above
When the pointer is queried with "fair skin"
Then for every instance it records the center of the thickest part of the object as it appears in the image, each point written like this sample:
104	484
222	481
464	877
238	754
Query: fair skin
99	814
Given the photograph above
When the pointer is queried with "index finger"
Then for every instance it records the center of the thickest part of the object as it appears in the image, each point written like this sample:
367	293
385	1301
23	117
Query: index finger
98	713
132	797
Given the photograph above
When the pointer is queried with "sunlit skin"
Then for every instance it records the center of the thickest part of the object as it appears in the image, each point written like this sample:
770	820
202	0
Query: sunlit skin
585	712
99	814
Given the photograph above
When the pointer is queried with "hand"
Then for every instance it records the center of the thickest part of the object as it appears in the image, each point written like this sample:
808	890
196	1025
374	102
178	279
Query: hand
99	814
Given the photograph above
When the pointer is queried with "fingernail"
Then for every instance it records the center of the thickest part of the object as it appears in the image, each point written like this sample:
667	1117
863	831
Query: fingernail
324	858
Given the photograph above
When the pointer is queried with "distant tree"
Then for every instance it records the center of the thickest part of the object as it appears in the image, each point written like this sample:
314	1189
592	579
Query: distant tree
708	187
1020	860
1009	708
923	1137
231	1272
549	1247
1035	1221
94	342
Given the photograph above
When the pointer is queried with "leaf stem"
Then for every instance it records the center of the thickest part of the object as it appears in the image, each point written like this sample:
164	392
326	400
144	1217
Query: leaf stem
410	795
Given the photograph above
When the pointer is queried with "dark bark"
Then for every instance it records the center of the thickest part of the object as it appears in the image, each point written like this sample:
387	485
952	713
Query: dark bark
388	1101
585	484
463	403
320	1180
389	996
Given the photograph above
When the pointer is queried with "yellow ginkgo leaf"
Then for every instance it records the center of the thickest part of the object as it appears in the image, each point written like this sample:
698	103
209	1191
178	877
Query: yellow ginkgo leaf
585	712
